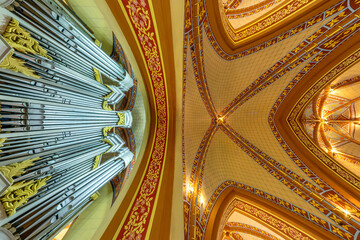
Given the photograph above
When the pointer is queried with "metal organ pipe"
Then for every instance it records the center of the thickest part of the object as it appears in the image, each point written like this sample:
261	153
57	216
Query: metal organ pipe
55	119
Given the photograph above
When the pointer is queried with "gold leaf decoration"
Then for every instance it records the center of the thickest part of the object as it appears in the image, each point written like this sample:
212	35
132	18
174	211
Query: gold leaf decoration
96	161
21	194
108	141
107	96
121	119
106	106
94	196
16	65
106	130
16	169
22	41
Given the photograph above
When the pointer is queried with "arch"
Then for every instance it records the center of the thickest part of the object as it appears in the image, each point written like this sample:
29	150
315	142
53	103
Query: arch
267	27
267	212
252	230
284	120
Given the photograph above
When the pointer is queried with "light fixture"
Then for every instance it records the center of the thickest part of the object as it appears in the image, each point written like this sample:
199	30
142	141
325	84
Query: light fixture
346	211
202	201
190	187
220	120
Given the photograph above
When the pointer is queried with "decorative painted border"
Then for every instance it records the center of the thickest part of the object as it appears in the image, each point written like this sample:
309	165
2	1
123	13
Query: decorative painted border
233	13
287	10
274	200
137	220
323	49
252	230
295	30
232	4
346	82
269	220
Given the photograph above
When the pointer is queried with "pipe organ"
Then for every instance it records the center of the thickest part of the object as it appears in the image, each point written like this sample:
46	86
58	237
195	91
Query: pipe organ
56	118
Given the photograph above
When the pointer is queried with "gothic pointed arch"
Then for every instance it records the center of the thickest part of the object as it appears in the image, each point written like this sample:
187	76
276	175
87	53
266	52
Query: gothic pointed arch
283	16
284	222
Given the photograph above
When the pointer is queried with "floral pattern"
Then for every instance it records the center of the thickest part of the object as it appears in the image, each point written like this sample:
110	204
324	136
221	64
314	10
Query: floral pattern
138	218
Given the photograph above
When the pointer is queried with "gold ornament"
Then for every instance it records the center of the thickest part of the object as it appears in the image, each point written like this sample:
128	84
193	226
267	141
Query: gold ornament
22	41
94	196
107	96
121	119
97	75
106	106
106	130
97	161
16	169
108	141
16	65
21	194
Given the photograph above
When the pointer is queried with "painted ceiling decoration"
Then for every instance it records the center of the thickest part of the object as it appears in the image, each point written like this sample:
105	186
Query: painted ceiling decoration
240	13
228	185
331	121
236	228
286	10
321	33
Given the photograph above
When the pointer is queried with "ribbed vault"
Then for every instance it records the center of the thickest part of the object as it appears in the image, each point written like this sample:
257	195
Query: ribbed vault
239	93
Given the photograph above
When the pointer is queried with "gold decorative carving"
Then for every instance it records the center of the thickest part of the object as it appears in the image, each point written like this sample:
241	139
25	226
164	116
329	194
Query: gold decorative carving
107	96
16	169
95	196
21	193
106	130
107	141
121	119
106	106
97	75
96	161
22	41
16	65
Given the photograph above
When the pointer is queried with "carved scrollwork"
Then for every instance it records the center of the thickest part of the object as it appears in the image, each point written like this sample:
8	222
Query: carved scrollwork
16	169
20	194
21	40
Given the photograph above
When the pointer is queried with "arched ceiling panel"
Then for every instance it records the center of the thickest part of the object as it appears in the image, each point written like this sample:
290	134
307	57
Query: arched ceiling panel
226	161
241	218
249	11
226	79
250	120
247	236
197	119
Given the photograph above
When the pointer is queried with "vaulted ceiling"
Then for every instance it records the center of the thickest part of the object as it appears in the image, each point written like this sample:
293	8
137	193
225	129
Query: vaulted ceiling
230	101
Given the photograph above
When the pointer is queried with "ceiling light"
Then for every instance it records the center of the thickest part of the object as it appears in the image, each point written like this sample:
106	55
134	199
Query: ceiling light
202	200
346	212
190	188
